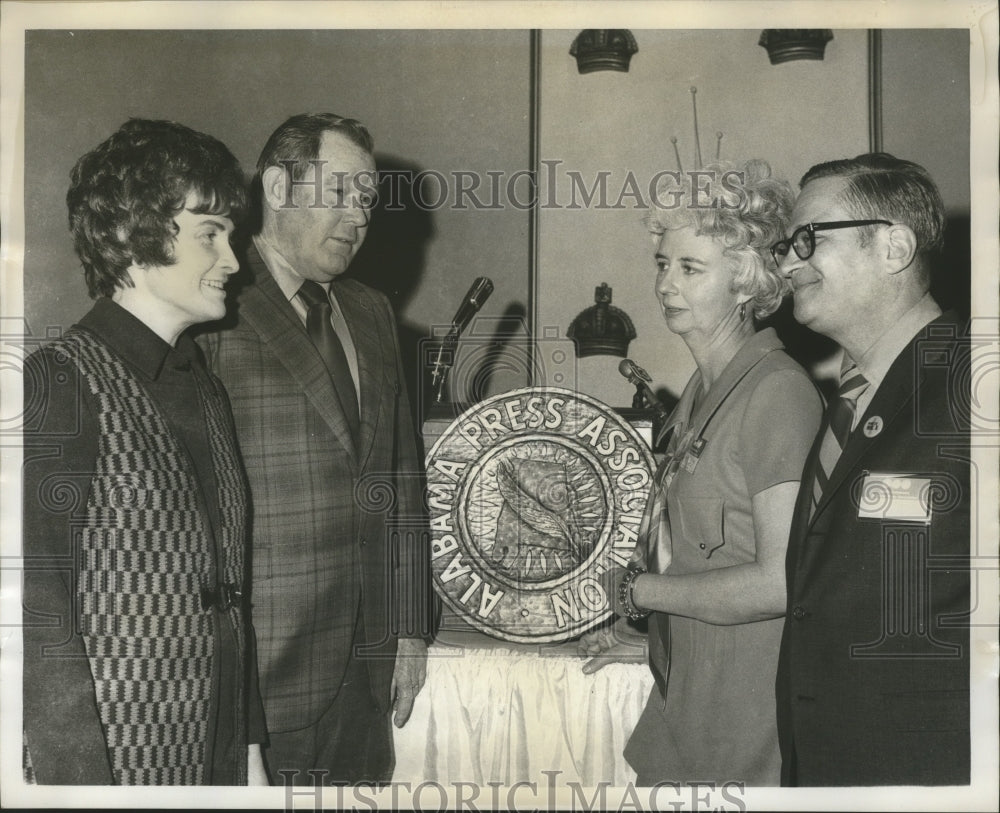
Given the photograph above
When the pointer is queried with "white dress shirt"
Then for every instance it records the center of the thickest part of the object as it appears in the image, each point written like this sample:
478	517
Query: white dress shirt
289	281
877	360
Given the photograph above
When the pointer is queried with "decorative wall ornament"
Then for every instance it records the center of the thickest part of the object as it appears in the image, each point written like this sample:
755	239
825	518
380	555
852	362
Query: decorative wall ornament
603	49
788	44
602	329
697	138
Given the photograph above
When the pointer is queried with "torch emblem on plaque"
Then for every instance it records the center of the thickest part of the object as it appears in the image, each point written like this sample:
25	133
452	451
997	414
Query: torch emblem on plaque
533	495
537	532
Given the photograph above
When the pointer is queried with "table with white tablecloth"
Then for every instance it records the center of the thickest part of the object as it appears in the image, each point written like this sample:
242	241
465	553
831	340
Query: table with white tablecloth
494	711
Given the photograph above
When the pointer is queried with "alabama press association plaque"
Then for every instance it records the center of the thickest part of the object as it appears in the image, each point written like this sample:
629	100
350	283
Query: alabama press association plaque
533	494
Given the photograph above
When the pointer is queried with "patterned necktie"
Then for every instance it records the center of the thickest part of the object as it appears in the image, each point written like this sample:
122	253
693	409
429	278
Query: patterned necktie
841	412
325	338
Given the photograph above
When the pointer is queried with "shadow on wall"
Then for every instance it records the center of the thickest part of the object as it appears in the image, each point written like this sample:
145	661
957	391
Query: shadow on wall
802	344
951	282
493	356
496	353
393	260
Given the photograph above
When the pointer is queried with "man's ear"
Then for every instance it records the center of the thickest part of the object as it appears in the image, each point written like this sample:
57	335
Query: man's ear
275	187
901	247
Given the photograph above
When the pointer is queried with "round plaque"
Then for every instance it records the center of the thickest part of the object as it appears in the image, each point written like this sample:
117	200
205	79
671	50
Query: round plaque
533	495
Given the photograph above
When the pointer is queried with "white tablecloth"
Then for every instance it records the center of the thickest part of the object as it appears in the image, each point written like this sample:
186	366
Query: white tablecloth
497	712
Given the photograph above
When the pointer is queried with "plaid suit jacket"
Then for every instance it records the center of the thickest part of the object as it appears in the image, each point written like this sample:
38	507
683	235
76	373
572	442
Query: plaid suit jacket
333	530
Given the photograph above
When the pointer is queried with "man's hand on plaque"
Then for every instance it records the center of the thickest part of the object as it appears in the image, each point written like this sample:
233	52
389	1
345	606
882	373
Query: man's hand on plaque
618	643
407	677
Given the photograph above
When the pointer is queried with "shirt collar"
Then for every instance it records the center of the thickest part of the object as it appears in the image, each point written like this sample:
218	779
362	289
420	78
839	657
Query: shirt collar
288	280
753	350
876	361
134	341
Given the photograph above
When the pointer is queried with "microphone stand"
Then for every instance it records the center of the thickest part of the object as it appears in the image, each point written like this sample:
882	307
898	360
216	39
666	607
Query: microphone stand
480	291
440	372
640	379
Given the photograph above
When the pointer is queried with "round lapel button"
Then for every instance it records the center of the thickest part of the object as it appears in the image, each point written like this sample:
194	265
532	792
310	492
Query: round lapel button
873	426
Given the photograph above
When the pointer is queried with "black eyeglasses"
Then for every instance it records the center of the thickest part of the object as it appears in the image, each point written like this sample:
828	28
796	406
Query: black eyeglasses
803	239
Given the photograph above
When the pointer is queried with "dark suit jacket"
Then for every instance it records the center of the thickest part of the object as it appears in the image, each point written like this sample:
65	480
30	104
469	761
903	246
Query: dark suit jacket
323	545
873	678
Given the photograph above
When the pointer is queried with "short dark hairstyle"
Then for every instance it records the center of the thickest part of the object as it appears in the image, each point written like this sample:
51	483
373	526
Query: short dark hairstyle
125	193
881	186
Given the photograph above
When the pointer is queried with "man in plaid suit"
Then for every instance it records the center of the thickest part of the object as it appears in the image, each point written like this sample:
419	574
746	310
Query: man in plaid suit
339	589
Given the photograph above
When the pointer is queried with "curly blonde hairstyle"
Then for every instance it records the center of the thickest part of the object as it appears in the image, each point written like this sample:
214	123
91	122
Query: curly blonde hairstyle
744	208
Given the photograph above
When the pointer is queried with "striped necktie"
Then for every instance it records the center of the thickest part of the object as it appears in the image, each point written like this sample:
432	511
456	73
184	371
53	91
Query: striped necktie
841	412
322	334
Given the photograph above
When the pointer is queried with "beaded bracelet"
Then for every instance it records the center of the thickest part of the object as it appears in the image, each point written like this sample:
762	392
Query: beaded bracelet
626	596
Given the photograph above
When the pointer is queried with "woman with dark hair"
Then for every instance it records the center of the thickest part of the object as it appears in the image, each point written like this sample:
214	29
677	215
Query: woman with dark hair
710	567
139	662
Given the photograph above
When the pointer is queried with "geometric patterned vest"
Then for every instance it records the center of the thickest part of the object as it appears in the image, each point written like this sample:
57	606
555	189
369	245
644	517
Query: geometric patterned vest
145	555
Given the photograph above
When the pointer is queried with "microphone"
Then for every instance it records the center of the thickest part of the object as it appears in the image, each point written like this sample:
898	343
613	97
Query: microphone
480	291
640	379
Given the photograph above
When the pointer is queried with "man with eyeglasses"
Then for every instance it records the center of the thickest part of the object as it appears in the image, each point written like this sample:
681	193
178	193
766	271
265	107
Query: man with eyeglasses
873	677
313	369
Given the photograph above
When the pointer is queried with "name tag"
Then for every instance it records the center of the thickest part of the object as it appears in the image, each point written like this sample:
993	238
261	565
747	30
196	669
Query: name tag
895	496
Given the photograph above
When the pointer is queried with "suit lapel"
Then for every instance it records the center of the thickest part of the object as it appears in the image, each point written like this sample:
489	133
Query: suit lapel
266	310
369	343
803	515
896	391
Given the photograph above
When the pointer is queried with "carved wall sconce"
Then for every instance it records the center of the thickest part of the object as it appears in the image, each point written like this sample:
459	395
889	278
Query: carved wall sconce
603	49
788	44
602	329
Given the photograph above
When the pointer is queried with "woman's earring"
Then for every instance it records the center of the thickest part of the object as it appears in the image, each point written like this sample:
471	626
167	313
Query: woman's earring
743	311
